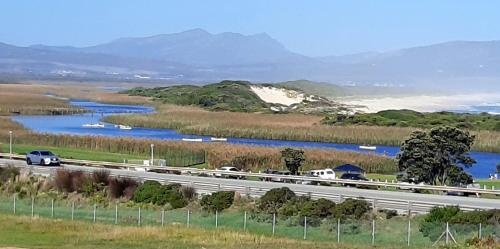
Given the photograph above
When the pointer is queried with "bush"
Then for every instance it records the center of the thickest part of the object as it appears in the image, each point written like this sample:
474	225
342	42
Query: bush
217	201
8	173
153	192
69	181
274	199
433	224
188	192
101	177
351	209
147	192
122	187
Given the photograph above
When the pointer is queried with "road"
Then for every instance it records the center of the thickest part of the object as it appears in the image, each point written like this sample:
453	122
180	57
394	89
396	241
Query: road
401	201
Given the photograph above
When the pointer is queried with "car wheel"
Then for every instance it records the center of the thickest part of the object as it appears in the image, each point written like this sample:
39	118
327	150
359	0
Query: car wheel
42	163
28	161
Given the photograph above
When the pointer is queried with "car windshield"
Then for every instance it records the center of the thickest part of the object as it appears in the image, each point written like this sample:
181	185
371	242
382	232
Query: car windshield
46	153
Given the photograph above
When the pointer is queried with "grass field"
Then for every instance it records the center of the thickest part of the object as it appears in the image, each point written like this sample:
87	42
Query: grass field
70	153
47	230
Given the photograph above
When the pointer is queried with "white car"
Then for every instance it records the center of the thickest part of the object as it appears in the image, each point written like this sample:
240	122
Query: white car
220	172
42	157
324	173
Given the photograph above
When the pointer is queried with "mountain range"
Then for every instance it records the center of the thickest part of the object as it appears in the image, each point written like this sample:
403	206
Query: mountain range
199	56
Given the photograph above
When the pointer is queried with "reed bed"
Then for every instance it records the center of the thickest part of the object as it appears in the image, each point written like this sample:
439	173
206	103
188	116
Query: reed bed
193	120
249	157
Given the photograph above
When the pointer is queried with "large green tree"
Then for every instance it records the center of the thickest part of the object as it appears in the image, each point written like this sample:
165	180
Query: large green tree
438	156
293	159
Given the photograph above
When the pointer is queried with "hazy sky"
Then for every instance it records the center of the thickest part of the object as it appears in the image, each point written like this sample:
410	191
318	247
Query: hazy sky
310	27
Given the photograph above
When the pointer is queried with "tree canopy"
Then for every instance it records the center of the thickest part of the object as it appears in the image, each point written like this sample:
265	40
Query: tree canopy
437	157
293	159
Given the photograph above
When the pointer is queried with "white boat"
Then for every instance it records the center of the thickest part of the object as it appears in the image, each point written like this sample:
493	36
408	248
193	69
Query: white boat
124	127
218	139
192	140
365	147
93	125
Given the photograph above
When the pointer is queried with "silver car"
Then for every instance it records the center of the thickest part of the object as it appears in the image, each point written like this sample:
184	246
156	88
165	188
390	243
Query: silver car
42	157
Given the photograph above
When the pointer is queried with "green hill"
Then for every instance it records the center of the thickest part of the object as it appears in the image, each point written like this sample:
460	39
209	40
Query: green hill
226	95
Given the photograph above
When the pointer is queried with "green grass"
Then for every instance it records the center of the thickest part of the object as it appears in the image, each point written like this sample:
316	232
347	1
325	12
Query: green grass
70	153
381	177
489	183
389	233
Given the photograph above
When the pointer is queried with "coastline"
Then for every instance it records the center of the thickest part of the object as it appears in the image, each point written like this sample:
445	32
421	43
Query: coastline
426	103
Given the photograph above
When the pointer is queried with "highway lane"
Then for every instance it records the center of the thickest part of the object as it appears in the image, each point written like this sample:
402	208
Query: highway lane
400	201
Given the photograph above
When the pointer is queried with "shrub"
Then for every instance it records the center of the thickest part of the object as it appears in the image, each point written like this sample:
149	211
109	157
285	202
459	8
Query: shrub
274	199
101	177
122	187
314	210
8	173
433	224
217	201
69	181
146	193
188	192
351	209
153	192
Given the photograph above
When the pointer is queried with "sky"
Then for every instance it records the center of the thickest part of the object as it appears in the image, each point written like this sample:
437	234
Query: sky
314	27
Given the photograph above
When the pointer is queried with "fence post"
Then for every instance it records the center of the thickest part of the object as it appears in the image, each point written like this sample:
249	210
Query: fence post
95	207
72	210
305	227
216	219
139	217
163	217
338	230
274	223
188	217
373	232
245	222
116	213
480	231
14	204
409	231
447	233
52	208
32	206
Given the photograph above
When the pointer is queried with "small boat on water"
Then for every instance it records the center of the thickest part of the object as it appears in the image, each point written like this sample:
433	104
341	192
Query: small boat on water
218	139
98	125
192	140
366	147
124	127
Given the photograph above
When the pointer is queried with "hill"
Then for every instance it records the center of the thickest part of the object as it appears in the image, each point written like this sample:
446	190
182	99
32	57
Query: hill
239	96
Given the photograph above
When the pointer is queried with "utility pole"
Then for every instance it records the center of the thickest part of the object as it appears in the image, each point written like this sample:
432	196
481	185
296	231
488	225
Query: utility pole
152	154
10	144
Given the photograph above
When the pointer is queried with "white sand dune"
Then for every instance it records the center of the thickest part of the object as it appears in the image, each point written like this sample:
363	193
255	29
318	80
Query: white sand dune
422	103
278	95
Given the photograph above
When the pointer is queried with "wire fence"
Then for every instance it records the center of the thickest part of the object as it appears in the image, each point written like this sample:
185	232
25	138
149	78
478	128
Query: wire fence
398	231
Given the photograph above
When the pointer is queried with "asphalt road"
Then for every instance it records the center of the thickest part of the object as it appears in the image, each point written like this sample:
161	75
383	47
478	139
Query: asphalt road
384	199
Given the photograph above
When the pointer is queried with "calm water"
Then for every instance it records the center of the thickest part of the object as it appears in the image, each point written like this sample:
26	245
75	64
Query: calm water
72	124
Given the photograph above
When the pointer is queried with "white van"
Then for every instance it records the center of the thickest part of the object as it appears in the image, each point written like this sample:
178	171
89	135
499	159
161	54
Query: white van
324	173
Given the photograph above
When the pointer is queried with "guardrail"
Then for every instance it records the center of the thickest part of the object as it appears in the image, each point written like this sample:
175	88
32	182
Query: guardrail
191	171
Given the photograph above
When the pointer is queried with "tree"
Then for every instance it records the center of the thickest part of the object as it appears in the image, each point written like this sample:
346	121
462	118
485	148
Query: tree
437	157
293	159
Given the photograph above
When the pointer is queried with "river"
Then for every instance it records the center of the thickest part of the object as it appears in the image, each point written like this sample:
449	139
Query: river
72	124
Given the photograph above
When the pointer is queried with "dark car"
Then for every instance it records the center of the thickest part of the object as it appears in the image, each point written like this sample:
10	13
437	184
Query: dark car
277	178
354	177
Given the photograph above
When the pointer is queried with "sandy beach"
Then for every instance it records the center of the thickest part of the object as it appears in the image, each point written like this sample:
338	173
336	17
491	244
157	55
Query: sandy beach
423	103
